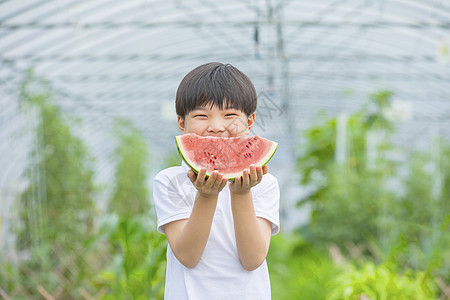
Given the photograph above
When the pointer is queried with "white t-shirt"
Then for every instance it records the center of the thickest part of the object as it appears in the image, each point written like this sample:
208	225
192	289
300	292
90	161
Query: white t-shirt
219	275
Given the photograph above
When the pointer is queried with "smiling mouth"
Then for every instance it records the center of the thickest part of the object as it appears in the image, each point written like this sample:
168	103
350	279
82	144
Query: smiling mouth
218	135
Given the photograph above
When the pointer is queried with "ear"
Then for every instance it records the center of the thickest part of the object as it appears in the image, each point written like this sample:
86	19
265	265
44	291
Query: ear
181	124
250	123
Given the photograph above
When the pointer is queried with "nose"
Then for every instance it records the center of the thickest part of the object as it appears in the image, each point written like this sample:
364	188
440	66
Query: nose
216	126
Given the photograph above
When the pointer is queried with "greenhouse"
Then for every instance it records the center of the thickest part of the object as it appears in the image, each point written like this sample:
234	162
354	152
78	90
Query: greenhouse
355	93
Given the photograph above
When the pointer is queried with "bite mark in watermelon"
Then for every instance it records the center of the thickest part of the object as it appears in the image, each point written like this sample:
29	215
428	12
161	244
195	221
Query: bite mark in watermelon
228	155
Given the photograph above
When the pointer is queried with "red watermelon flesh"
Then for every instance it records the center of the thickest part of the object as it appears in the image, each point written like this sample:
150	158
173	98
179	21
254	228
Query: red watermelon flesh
228	155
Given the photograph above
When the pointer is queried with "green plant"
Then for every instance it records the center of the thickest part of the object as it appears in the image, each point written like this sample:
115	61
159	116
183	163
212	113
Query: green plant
61	186
351	209
349	201
56	211
381	283
298	270
424	219
130	196
66	256
128	235
137	267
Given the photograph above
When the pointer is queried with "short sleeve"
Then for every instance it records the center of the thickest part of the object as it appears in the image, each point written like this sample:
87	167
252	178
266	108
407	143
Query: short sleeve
171	200
266	200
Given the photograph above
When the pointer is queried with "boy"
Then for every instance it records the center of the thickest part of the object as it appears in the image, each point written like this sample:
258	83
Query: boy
218	232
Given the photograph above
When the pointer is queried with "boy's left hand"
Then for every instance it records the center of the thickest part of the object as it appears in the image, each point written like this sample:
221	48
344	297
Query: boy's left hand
249	179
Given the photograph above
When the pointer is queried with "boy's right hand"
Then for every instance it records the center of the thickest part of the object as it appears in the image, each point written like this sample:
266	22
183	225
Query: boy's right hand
210	186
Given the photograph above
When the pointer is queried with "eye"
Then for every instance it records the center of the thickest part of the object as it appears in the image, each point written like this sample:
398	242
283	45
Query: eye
231	115
199	116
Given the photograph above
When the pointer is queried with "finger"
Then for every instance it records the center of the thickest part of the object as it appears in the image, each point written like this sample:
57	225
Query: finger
245	178
237	181
223	184
265	169
201	176
253	175
211	180
192	176
218	181
259	173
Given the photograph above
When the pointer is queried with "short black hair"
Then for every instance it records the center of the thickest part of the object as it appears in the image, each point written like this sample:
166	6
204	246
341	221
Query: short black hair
215	84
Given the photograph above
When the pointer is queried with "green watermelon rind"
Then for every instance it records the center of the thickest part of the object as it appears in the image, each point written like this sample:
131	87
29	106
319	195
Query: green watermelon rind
185	158
230	177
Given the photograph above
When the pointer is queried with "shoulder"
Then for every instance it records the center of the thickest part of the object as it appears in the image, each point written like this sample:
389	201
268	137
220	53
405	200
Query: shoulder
169	171
167	175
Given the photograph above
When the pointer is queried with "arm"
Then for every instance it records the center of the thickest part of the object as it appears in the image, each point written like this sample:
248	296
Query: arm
252	233
188	237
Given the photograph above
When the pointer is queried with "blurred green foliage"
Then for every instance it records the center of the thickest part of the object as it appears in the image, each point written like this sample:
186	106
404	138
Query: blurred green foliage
424	218
137	267
173	159
70	256
61	189
298	270
348	199
365	240
57	209
137	249
301	271
131	196
396	209
382	283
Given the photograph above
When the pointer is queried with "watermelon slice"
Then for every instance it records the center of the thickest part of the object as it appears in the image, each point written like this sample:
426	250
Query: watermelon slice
228	155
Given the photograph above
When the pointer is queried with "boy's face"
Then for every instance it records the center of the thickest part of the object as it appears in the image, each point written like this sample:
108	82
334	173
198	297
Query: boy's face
207	121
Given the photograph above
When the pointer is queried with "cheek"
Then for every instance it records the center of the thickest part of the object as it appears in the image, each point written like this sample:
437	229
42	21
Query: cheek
238	126
234	128
197	127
